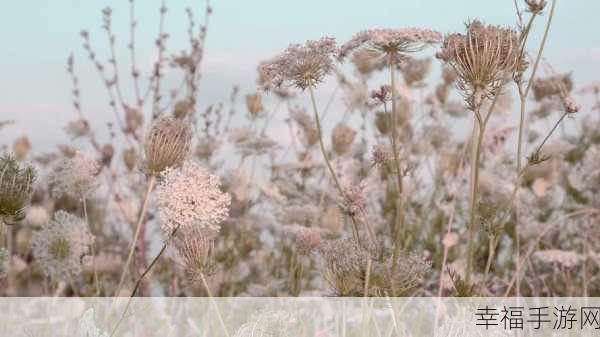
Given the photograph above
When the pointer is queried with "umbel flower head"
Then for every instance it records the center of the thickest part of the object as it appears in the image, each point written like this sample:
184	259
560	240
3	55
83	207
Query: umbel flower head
62	244
167	144
190	197
16	187
389	42
482	59
299	65
77	176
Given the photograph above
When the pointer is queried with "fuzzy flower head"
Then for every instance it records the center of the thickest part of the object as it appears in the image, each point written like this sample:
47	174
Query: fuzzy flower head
76	177
354	201
190	197
62	244
299	65
167	144
389	42
482	59
16	187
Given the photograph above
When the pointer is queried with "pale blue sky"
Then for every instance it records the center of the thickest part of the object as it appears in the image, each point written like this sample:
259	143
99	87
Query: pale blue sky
38	35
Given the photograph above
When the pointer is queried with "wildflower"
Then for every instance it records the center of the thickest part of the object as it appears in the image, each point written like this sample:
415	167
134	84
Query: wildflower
195	249
570	105
190	197
482	59
354	201
345	264
167	144
61	244
342	138
4	257
389	42
77	176
307	240
16	188
382	95
302	66
381	155
536	6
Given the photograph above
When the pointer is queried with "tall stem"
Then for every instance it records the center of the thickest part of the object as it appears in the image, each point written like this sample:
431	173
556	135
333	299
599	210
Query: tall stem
399	214
474	192
326	158
141	278
523	96
214	304
138	228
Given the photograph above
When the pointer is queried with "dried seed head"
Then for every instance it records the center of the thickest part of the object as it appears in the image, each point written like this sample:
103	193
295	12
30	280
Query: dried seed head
354	202
342	138
107	151
183	109
482	59
415	70
16	188
134	119
195	249
167	144
130	158
552	86
254	105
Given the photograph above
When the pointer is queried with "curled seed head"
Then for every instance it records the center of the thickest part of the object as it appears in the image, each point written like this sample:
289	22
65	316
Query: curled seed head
167	144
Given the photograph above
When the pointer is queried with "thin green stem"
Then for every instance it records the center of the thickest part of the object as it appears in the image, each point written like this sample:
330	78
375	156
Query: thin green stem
136	235
141	278
325	157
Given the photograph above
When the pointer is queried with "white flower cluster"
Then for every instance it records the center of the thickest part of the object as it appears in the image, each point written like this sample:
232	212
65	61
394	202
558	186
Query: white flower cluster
60	245
191	197
77	176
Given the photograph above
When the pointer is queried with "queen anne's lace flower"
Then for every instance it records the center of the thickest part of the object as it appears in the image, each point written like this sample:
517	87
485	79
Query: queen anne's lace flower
301	65
390	41
60	245
191	197
77	176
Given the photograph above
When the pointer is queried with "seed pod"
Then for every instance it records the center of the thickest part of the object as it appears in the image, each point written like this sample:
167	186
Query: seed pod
167	144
